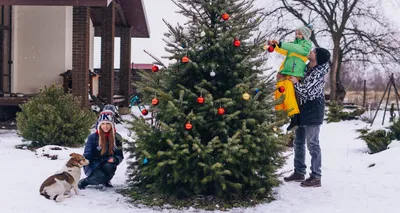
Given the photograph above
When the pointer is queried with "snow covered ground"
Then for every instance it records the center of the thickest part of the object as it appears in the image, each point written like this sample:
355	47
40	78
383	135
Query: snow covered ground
348	184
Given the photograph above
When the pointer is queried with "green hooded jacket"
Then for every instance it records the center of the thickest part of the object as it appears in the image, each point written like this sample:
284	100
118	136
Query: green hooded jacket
296	57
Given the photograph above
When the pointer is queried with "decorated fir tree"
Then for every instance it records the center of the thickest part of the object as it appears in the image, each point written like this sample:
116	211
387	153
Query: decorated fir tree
215	126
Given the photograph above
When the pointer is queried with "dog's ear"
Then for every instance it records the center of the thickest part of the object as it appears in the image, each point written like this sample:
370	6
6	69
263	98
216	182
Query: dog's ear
72	154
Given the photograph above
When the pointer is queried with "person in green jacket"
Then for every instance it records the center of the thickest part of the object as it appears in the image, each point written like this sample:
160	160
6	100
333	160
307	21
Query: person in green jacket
296	53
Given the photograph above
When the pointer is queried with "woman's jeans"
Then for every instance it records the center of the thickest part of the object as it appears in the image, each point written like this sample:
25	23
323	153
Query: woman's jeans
102	174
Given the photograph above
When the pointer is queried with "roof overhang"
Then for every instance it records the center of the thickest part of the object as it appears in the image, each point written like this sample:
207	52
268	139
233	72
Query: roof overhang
95	3
130	13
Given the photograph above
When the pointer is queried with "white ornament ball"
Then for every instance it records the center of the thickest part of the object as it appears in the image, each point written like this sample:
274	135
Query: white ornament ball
212	74
252	20
202	34
186	32
172	39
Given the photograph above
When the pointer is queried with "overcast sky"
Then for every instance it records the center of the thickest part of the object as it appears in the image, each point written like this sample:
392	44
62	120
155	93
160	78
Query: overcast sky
156	10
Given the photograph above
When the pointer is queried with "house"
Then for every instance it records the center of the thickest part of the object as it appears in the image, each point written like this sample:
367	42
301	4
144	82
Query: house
118	80
43	41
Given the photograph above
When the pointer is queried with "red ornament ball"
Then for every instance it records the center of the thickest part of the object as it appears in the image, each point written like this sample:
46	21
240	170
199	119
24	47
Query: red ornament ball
225	16
188	126
145	112
200	100
185	59
154	101
271	49
281	89
154	68
221	111
236	43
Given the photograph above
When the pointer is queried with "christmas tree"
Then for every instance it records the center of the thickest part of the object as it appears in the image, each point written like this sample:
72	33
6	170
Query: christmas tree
215	130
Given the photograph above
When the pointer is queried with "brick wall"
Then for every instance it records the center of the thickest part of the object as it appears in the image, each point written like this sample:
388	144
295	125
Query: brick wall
80	53
125	63
118	82
115	83
107	53
135	78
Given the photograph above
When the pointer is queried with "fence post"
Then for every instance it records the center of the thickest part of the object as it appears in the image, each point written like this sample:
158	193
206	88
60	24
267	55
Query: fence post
364	92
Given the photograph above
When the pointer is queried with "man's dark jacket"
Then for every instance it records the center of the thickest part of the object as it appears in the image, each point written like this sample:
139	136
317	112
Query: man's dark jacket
310	91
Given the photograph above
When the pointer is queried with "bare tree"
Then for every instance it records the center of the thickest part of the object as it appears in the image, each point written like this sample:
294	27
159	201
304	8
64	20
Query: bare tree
355	30
378	82
347	75
359	83
352	75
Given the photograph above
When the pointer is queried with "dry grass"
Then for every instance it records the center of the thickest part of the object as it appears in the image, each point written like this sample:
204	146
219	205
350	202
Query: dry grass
372	98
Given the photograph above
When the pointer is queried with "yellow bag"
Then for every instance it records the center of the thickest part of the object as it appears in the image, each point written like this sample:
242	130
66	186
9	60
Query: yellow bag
289	104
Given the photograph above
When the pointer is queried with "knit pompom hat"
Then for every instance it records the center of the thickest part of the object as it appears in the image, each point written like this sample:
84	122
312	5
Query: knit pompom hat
107	116
306	31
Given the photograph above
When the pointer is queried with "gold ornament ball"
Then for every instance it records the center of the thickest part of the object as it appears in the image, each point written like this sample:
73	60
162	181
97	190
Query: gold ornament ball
246	96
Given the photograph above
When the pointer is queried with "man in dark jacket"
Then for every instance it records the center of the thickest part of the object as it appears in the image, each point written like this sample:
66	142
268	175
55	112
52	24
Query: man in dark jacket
312	107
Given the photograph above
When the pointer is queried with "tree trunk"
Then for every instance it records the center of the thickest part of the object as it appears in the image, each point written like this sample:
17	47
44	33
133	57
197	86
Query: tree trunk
340	90
334	72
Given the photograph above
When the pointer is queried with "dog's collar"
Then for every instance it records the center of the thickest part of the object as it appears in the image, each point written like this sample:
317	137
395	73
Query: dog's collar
71	164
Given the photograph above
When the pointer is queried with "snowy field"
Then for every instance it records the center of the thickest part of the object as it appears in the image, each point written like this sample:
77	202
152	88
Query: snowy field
348	184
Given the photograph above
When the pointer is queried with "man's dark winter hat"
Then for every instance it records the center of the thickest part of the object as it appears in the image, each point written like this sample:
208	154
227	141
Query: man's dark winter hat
323	55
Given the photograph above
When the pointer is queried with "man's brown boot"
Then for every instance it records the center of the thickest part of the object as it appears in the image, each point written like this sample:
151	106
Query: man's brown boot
311	182
294	177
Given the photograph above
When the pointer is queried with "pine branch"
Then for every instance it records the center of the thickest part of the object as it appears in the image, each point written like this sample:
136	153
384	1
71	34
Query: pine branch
158	60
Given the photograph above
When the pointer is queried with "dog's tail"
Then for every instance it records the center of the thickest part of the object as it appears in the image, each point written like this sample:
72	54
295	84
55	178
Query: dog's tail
44	193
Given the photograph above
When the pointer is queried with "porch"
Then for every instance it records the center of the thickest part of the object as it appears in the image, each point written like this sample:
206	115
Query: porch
15	100
89	18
